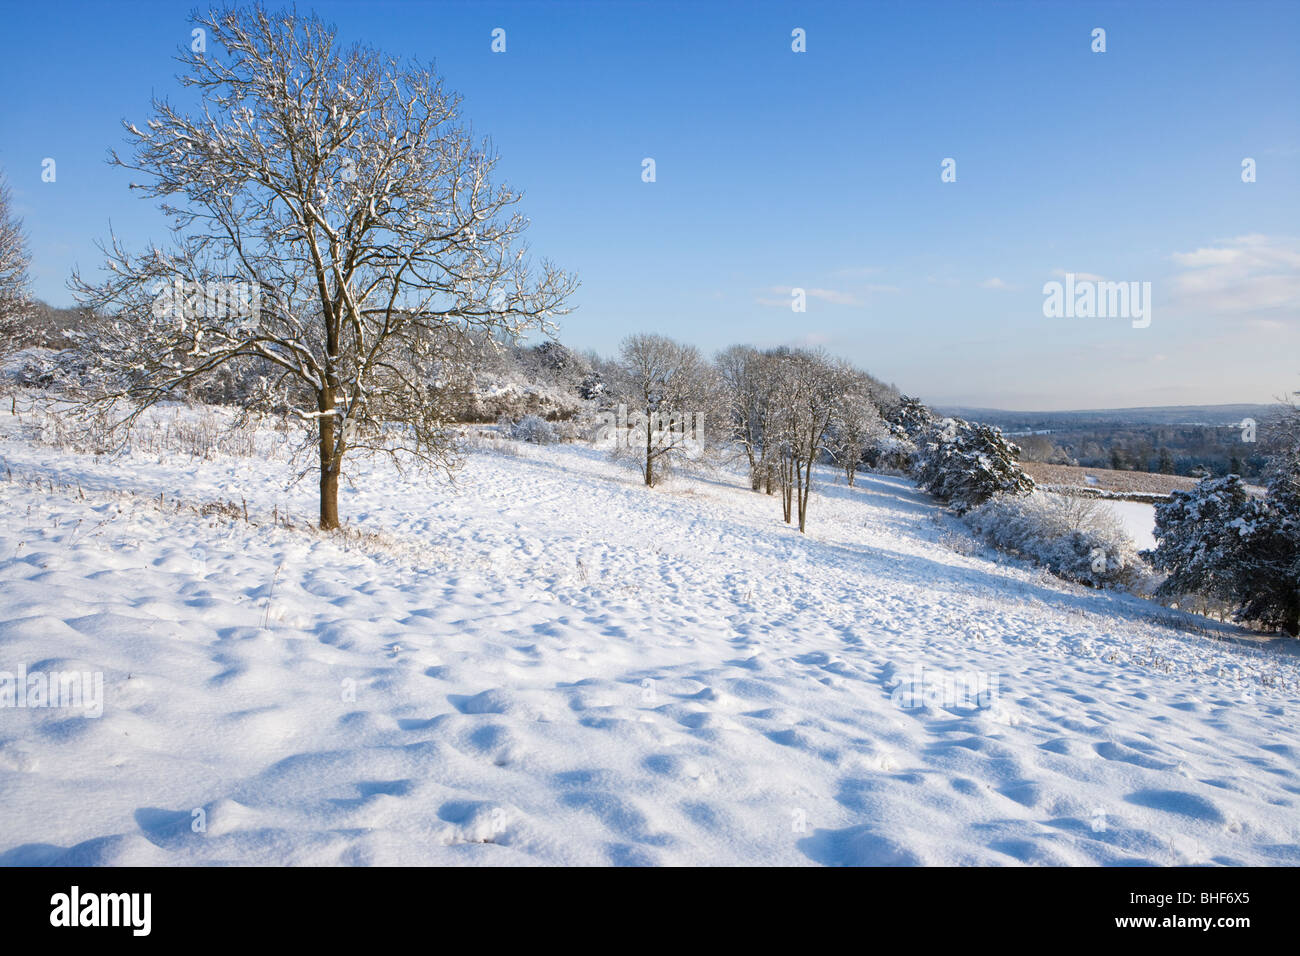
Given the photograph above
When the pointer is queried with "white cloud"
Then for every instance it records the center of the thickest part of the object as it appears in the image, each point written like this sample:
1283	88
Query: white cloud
833	296
1080	276
996	283
1241	276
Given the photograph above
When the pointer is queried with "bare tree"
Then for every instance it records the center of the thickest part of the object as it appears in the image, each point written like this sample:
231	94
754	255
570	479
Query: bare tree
335	198
664	391
15	298
810	395
857	424
748	383
788	407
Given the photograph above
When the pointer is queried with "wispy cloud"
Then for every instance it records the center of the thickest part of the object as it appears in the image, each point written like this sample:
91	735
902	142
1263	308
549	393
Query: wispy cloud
996	283
812	340
1081	276
834	296
1241	276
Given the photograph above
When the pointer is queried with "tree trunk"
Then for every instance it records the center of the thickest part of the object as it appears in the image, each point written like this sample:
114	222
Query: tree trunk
329	497
805	487
649	455
798	491
329	465
787	490
798	471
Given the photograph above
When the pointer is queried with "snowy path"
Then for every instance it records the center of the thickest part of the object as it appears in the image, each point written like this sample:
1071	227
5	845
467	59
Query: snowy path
555	665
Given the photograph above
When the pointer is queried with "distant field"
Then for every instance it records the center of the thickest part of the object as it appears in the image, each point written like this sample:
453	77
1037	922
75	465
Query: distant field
1103	479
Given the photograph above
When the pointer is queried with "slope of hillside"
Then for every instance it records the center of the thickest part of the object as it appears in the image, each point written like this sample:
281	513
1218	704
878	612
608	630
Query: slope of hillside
549	663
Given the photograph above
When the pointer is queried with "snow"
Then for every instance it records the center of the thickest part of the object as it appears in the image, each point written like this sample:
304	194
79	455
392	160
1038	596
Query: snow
550	663
1138	518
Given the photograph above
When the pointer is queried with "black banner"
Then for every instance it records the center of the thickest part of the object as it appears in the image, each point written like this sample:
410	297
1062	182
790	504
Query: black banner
335	905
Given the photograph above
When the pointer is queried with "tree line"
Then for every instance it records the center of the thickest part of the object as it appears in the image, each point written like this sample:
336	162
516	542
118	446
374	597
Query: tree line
785	409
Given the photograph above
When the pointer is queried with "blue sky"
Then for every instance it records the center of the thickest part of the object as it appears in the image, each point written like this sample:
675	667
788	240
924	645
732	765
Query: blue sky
817	170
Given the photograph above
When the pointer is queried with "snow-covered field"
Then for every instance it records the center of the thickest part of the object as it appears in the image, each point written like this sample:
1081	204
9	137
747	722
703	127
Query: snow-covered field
551	664
1138	519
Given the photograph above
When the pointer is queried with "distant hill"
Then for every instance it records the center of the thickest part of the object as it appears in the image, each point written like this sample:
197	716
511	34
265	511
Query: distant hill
1169	415
1187	440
